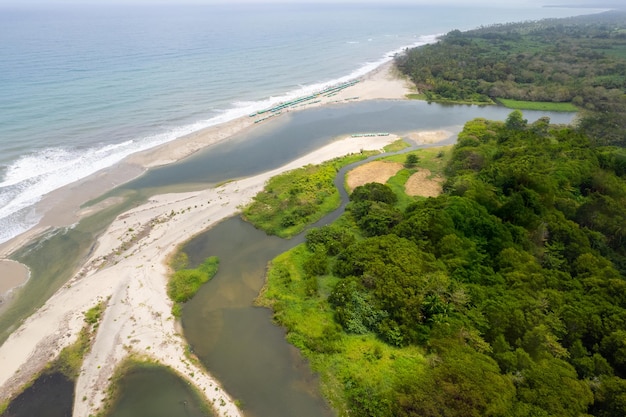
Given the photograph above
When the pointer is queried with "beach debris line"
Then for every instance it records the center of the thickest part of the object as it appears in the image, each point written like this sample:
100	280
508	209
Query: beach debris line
268	117
367	135
327	92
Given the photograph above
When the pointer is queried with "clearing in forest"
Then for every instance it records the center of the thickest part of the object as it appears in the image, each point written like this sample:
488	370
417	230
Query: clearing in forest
377	171
419	184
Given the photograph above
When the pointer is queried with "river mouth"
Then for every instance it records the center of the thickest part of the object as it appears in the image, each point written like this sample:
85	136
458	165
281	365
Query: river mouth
236	341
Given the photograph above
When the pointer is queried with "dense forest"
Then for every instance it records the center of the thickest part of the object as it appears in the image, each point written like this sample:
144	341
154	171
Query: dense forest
579	60
504	296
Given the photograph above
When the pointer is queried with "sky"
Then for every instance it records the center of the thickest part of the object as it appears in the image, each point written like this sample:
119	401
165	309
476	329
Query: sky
499	3
438	2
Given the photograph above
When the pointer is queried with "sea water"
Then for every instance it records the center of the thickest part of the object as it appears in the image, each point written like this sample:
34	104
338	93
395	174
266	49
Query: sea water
82	87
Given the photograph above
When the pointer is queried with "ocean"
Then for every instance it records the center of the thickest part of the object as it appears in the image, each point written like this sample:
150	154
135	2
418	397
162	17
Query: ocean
83	87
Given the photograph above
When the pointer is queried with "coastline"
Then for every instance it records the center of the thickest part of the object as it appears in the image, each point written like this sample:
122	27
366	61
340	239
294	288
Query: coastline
128	268
63	207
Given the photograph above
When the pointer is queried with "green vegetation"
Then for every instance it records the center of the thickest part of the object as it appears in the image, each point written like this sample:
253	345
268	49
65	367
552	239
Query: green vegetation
339	357
70	359
93	315
505	296
411	160
297	198
417	96
577	62
396	146
432	159
537	105
185	283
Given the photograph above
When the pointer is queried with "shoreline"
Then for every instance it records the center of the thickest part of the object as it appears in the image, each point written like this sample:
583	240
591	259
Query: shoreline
128	268
63	207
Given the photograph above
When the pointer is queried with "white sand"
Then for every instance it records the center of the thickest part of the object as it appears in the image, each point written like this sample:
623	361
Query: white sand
128	270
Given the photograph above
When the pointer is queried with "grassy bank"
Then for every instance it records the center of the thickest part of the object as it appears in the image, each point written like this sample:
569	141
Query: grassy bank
70	359
537	105
347	364
435	98
297	198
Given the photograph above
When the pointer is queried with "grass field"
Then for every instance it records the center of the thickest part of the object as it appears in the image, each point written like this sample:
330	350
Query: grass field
416	96
537	105
441	100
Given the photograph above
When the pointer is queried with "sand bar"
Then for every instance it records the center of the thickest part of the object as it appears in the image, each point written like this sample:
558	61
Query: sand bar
12	275
128	271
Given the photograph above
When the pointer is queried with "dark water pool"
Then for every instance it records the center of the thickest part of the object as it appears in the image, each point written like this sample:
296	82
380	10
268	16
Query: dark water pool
154	391
51	395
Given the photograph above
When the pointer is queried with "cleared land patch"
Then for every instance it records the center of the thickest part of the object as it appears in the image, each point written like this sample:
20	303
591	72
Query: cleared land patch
376	171
419	184
429	136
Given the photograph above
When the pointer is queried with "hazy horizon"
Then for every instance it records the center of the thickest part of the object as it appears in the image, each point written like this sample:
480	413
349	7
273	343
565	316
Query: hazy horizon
481	3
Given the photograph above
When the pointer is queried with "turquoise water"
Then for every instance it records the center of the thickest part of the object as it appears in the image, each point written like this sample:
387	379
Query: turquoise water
82	87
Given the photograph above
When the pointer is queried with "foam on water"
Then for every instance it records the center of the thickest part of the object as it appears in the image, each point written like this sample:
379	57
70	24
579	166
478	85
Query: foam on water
31	177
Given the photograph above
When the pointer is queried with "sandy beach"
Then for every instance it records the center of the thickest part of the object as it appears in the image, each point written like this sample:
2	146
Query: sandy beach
128	269
62	207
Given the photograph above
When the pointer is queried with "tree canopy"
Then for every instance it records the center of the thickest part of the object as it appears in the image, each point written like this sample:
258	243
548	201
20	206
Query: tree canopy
506	294
512	282
578	60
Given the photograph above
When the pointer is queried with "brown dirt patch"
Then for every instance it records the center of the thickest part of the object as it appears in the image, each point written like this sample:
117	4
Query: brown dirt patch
429	136
377	171
420	184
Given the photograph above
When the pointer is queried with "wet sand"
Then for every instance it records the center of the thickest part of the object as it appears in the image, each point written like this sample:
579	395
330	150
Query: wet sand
12	275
